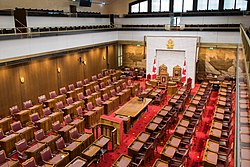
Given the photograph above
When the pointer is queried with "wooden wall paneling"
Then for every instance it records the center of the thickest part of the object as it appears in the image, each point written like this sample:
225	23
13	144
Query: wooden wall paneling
112	55
10	89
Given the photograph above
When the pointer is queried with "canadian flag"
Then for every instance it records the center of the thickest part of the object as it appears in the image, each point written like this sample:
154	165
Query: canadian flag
184	71
154	69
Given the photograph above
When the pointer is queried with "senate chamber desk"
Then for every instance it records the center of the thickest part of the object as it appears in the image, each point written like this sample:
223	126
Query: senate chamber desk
134	108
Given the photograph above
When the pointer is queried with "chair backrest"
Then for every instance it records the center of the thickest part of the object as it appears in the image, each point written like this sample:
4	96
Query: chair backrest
97	88
69	100
129	82
105	97
86	81
1	134
114	79
106	73
98	101
102	85
27	104
79	111
89	106
21	145
60	144
99	75
56	126
124	86
16	126
80	96
63	90
118	89
34	117
94	78
71	87
113	93
14	110
39	135
109	82
67	119
46	154
59	105
42	99
2	156
29	163
52	94
74	133
46	111
79	84
88	92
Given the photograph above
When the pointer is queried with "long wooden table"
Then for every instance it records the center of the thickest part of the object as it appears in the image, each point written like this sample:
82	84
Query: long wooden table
134	108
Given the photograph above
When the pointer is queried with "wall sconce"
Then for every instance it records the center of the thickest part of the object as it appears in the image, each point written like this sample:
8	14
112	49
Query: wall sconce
82	61
104	57
22	80
58	69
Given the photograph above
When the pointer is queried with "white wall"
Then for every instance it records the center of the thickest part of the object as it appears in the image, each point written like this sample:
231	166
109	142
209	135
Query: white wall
34	21
182	43
187	20
7	22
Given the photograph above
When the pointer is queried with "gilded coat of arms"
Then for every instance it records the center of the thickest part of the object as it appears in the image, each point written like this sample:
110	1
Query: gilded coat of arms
170	44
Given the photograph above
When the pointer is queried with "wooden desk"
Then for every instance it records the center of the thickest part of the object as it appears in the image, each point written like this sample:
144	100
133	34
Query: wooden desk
72	94
160	163
59	160
26	133
38	108
102	141
133	108
172	101
79	124
134	148
217	125
210	159
191	109
157	119
174	141
195	102
86	139
77	162
184	122
168	153
23	116
244	120
70	109
74	149
163	113
151	127
197	97
126	122
168	108
10	163
50	141
108	107
212	146
188	115
51	103
5	124
244	130
56	116
218	116
35	150
8	143
245	163
90	118
143	137
45	124
220	110
123	161
245	153
64	132
61	98
90	152
215	134
180	131
245	138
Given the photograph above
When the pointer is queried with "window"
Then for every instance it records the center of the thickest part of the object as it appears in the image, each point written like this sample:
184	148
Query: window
229	4
135	8
178	5
144	6
202	5
213	4
164	5
241	4
156	5
188	5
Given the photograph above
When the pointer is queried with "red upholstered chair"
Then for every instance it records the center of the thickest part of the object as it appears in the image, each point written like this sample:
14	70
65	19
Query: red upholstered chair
13	111
113	93
4	161
80	96
109	82
21	146
52	94
73	133
27	104
56	126
42	99
88	92
63	90
80	112
46	111
69	101
29	163
118	89
60	144
97	88
60	159
16	126
67	119
34	118
102	85
59	105
98	101
114	79
86	81
90	106
71	87
79	84
99	76
94	78
105	97
46	154
39	135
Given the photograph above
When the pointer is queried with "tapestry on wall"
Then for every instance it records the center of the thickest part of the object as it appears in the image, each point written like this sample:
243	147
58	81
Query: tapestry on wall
134	56
216	61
